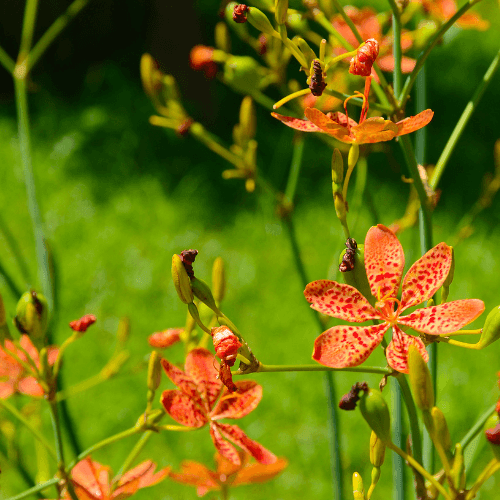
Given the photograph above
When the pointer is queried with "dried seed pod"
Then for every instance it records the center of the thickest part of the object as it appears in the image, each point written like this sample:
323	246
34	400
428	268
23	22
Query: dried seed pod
348	401
240	13
362	62
187	258
317	84
347	263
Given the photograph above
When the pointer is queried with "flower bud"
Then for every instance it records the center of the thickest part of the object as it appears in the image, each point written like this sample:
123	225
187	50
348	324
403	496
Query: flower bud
362	62
358	489
458	469
492	431
226	344
340	206
201	58
420	380
32	316
150	75
353	155
377	450
374	410
491	328
247	117
181	280
243	73
337	170
123	330
218	279
260	21
154	371
442	434
280	11
222	39
202	292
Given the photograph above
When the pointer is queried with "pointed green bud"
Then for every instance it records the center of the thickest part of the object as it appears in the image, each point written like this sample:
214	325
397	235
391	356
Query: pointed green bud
247	117
442	434
154	371
458	468
32	316
305	49
340	208
374	410
491	328
353	156
123	330
4	329
243	73
492	430
202	292
181	280
451	273
260	21
377	450
358	489
222	39
280	11
420	380
218	279
337	170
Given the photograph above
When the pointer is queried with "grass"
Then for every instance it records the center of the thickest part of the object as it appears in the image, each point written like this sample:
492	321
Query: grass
120	197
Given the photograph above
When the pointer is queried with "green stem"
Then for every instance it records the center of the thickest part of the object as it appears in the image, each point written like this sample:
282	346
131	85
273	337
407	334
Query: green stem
320	368
36	433
397	75
410	80
28	29
398	490
6	61
134	452
51	34
477	427
293	175
336	461
80	387
34	210
492	467
35	489
462	122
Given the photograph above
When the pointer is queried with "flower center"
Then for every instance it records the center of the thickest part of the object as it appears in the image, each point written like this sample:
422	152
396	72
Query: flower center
385	306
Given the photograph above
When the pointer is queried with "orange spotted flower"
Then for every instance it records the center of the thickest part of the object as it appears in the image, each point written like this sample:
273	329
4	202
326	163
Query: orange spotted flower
345	129
91	480
442	10
345	346
227	474
14	373
202	399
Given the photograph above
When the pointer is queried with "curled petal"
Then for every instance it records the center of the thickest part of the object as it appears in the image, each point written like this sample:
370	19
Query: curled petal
426	276
324	122
239	438
384	261
203	369
445	318
397	350
183	409
240	403
225	449
416	122
297	123
340	301
344	346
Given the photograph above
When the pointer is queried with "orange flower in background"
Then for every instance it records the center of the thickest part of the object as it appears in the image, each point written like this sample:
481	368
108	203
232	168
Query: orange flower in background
14	376
345	129
202	399
165	338
201	59
91	480
345	346
226	474
442	10
367	22
81	325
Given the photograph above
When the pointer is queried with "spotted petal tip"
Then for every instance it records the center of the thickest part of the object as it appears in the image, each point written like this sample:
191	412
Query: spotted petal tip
297	123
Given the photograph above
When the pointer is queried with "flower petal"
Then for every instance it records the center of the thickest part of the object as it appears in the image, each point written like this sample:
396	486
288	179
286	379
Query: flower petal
416	122
239	438
340	301
203	369
195	474
139	477
373	130
227	450
324	122
445	318
90	479
397	350
239	403
182	380
426	276
30	387
344	345
259	473
297	123
384	261
183	409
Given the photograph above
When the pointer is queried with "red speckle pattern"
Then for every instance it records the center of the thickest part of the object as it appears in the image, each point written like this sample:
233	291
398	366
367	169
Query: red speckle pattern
297	123
339	300
344	346
384	261
397	350
426	276
445	318
416	122
241	403
183	409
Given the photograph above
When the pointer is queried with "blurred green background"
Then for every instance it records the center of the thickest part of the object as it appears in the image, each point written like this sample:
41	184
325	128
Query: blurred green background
119	197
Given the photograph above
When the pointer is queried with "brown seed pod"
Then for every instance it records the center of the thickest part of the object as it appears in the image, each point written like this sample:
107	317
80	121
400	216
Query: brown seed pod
347	263
362	62
187	258
348	401
317	84
240	13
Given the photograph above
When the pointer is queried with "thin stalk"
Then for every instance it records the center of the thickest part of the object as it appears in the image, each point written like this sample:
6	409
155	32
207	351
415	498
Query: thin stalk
6	61
36	433
320	368
492	467
134	452
462	122
28	28
336	461
80	387
398	489
477	427
51	34
421	104
35	489
397	75
410	80
293	175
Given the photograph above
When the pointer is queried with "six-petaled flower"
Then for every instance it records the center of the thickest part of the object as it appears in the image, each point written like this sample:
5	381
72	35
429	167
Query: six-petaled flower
202	399
345	346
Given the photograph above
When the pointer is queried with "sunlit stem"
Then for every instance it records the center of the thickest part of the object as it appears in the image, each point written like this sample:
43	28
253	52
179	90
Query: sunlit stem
35	489
177	428
420	469
492	467
6	61
477	346
290	97
352	159
81	387
161	121
477	427
319	368
462	332
291	46
331	62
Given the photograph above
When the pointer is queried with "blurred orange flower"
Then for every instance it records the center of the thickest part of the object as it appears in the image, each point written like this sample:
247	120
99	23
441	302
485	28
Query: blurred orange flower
442	10
165	338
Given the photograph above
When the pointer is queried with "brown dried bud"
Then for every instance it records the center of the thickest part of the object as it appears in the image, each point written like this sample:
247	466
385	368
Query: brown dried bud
187	258
317	84
362	62
226	377
347	263
348	401
240	13
226	344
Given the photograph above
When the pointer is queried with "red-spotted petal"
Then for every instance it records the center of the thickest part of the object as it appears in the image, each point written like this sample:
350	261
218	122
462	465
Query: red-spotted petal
183	409
384	261
239	438
321	120
139	477
227	450
182	380
397	350
340	301
90	479
416	122
426	276
297	123
203	369
374	130
445	318
344	345
240	403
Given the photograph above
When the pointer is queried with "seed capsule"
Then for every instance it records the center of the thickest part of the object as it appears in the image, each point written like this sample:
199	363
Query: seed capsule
317	84
420	380
374	410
